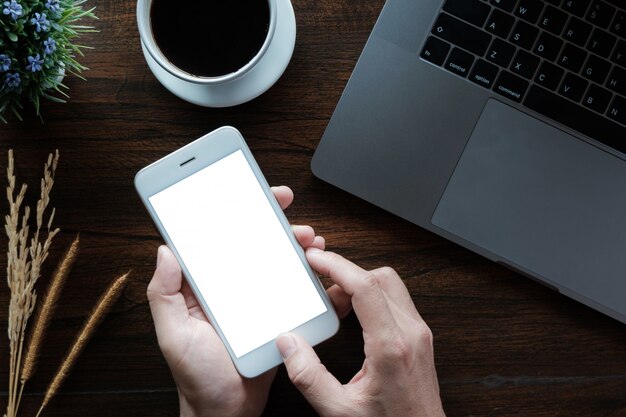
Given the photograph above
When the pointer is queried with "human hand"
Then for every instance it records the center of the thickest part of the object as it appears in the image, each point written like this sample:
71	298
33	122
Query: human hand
398	376
207	381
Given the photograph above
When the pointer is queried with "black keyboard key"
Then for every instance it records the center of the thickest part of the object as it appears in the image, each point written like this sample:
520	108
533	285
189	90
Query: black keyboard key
459	62
529	10
548	46
617	110
500	23
553	20
601	43
524	64
507	5
500	53
617	3
484	74
577	7
617	81
472	11
596	69
600	14
435	50
549	75
524	35
597	98
572	58
511	86
576	117
619	54
619	24
577	31
573	87
461	34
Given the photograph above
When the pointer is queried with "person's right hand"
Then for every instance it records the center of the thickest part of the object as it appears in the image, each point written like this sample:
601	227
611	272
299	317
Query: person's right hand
398	377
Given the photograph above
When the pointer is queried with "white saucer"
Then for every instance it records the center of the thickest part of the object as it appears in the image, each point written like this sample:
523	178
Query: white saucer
251	84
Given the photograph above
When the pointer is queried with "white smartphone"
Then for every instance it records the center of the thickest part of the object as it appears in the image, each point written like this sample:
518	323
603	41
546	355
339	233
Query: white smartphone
236	248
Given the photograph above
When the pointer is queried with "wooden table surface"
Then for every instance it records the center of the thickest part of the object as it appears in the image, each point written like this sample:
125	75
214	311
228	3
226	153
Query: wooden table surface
504	345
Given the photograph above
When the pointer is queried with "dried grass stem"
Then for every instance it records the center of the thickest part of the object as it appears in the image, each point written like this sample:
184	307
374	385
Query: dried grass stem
25	256
104	305
44	314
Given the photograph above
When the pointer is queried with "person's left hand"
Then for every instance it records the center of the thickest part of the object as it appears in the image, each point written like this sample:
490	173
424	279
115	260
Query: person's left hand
207	381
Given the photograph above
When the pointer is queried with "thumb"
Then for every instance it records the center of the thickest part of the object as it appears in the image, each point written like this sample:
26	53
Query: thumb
320	388
167	304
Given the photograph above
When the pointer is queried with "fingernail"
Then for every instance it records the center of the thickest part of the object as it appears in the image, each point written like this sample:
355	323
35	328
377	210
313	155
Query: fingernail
286	345
314	250
159	255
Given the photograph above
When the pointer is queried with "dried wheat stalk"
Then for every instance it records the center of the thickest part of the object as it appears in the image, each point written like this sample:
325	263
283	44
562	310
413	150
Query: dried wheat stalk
25	256
46	311
98	314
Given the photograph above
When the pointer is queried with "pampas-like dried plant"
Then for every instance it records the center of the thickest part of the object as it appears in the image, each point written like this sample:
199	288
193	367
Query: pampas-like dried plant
104	305
26	254
44	314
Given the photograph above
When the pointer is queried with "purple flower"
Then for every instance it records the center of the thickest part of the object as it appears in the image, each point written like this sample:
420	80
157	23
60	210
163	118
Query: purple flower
40	22
12	8
50	46
34	63
12	81
53	6
5	62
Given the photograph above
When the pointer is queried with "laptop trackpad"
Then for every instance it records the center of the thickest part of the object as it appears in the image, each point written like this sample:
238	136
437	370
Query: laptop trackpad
543	200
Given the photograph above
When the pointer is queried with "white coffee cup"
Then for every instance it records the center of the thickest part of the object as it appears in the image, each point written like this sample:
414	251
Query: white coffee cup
246	83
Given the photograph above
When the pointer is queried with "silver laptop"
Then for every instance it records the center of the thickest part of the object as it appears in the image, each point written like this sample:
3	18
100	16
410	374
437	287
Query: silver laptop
500	125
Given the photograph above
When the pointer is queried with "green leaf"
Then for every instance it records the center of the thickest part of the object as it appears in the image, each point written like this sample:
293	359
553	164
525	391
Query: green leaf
53	98
12	36
15	111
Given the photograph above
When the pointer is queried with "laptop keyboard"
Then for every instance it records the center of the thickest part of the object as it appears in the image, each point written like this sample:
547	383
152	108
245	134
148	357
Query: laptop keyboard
565	59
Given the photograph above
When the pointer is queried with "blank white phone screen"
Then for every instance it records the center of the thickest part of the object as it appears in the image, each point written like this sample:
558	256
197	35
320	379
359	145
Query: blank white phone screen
237	253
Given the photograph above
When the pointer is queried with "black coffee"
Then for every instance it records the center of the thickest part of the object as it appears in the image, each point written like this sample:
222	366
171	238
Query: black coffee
210	38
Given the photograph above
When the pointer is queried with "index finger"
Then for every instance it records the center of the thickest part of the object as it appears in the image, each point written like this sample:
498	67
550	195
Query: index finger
368	301
392	285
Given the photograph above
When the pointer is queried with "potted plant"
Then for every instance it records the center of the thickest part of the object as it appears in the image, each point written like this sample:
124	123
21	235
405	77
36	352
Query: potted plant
37	50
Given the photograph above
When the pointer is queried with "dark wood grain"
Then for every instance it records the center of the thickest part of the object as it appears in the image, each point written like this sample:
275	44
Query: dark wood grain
505	346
